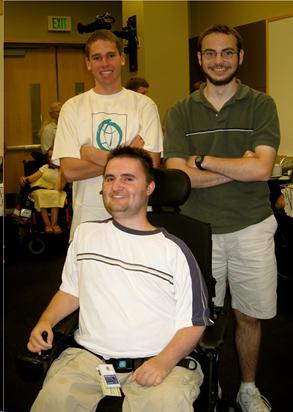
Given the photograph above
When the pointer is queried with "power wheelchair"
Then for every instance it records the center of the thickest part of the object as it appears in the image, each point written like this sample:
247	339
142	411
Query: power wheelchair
31	231
172	190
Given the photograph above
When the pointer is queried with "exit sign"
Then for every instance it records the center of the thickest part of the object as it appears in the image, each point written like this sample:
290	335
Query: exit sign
59	23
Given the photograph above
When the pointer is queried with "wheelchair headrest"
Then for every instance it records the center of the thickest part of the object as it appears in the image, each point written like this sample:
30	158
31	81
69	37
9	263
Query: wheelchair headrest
172	188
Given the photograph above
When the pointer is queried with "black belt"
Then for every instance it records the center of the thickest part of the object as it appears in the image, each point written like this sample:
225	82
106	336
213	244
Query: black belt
124	365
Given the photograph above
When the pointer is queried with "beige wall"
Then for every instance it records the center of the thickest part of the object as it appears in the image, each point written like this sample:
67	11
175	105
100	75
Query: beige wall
166	51
27	21
163	51
280	85
233	13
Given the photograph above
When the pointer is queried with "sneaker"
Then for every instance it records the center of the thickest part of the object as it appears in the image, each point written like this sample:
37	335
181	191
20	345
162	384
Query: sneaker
251	400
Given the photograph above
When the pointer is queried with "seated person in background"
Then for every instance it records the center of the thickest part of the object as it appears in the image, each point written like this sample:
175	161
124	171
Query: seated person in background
49	126
280	202
141	299
285	201
47	184
138	84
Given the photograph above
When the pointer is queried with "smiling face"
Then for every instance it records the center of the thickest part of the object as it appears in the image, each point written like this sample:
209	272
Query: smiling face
126	190
220	70
104	62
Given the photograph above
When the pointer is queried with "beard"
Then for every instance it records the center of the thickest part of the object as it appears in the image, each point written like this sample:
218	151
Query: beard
223	81
113	207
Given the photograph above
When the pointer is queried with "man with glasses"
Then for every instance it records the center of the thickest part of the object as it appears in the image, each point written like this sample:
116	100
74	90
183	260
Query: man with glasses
225	137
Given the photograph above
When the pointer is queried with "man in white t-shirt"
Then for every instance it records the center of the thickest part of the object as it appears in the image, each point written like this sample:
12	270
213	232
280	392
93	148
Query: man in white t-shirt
142	304
98	120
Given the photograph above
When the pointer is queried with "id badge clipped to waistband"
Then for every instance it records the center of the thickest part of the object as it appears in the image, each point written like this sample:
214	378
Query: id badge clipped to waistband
108	379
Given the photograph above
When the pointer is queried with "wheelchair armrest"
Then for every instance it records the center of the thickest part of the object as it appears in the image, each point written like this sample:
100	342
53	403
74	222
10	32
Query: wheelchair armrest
214	335
34	366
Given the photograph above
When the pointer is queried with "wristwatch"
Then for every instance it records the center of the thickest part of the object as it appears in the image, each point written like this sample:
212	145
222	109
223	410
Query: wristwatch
198	161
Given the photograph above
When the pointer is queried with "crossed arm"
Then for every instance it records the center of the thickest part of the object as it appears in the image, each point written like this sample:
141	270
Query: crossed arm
61	182
252	166
93	160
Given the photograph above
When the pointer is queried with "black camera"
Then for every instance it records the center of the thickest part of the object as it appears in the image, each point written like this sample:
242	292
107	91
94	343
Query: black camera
104	21
127	33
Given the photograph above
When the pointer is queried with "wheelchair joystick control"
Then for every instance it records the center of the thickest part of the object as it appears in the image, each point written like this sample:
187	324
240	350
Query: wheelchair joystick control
45	336
45	354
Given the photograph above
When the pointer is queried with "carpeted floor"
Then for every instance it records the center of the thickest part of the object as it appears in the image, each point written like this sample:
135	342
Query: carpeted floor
30	282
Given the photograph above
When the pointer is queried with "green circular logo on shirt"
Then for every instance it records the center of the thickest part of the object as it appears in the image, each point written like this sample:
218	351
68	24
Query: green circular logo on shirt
109	135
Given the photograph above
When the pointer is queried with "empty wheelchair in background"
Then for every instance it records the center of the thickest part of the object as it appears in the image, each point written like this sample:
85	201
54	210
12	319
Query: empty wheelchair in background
172	190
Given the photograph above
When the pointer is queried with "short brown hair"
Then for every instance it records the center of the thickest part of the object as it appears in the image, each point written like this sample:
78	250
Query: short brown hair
134	83
105	35
220	28
124	151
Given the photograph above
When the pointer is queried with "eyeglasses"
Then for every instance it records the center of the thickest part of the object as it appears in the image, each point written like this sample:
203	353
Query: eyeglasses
225	54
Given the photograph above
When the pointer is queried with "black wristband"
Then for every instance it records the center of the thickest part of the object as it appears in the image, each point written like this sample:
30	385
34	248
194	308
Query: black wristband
198	161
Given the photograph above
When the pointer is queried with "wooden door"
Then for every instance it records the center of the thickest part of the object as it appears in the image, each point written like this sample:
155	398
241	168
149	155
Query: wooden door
33	80
73	76
29	88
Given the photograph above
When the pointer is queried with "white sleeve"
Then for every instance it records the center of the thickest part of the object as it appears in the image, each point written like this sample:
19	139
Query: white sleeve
150	127
66	140
70	271
183	292
190	289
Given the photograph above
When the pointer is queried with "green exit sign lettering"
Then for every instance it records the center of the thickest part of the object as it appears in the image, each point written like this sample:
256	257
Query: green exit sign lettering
59	23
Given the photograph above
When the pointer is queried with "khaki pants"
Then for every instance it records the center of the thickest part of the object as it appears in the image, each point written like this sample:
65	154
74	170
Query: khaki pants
71	385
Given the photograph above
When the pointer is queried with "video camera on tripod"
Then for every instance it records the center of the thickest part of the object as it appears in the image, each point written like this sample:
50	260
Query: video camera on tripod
128	33
104	21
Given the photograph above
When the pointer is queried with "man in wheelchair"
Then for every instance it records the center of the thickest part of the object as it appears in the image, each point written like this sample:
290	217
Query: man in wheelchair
142	306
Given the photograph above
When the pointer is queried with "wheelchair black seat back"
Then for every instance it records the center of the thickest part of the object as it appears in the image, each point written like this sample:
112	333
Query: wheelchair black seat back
172	190
32	166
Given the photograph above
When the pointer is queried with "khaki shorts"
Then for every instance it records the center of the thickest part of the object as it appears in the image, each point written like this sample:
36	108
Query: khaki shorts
71	385
246	260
